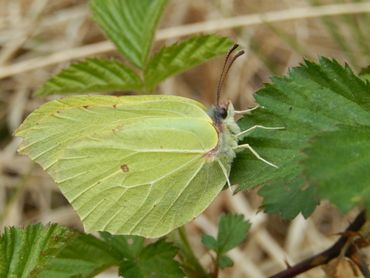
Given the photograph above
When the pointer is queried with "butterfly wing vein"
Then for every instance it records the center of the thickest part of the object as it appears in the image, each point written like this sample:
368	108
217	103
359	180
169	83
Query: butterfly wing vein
128	165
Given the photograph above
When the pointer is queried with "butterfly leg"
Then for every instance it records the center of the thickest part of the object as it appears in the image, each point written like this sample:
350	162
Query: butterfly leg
225	174
242	112
247	146
243	133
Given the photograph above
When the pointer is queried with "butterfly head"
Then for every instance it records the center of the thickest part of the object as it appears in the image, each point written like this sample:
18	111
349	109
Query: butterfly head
223	117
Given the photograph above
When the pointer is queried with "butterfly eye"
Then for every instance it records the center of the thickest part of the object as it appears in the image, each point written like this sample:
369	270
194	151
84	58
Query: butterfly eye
223	113
220	113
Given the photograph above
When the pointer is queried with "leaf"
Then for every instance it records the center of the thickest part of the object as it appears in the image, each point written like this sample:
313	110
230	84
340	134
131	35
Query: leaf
210	242
126	246
296	191
130	24
181	56
52	251
128	165
23	251
365	74
224	261
92	75
338	163
232	230
138	260
313	98
155	260
83	256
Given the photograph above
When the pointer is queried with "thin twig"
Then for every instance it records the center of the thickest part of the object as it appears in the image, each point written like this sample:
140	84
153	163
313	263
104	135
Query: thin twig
326	256
362	266
189	29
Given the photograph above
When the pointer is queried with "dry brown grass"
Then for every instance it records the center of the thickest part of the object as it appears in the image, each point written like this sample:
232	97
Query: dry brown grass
39	37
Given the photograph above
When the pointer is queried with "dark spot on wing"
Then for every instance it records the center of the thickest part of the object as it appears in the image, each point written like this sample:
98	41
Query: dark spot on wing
85	106
124	168
114	106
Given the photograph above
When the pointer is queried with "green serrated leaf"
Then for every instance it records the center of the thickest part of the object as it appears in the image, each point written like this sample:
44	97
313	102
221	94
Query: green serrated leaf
83	256
338	163
92	75
155	260
313	98
210	242
365	74
127	246
294	194
181	56
130	24
224	261
232	230
24	252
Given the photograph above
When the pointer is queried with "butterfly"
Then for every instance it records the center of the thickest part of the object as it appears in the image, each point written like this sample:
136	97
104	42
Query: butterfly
139	165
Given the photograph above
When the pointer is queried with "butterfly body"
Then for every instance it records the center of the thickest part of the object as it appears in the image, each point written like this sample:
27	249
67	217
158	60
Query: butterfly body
139	165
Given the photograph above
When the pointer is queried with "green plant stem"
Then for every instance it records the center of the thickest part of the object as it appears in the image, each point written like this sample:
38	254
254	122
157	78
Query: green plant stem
190	261
19	188
215	274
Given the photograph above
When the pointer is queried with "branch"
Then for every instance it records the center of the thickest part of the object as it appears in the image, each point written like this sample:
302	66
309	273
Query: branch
190	29
329	254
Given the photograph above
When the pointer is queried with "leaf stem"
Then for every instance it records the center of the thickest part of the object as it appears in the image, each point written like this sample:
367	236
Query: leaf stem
215	274
191	261
19	189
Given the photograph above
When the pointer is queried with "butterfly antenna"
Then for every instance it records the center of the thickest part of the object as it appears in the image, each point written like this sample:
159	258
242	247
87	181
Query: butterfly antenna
222	77
237	55
225	72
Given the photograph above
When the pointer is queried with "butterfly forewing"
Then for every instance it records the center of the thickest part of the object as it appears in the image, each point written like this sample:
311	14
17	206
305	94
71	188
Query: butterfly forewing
128	165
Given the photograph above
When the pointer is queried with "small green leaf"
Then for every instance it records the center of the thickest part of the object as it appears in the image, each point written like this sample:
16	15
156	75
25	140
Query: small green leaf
181	56
130	24
155	260
23	252
338	163
313	98
210	242
232	230
224	261
83	256
92	75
